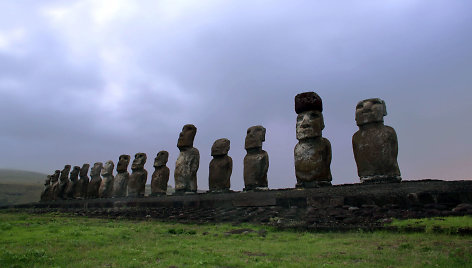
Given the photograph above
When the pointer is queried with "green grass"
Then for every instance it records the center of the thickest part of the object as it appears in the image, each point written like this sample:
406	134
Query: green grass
57	240
450	225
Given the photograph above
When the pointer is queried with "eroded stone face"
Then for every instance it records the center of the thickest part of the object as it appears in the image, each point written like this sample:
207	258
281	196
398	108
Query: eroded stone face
123	163
95	181
65	173
310	124
220	147
45	194
370	111
375	145
256	161
312	154
82	184
187	136
106	186
160	176
254	137
138	177
120	183
63	184
55	185
71	188
161	159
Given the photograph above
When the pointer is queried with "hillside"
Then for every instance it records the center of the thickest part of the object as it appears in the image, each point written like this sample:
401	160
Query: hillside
20	186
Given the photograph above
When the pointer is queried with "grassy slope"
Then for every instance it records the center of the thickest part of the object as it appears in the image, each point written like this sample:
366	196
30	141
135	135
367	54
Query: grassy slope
62	241
19	186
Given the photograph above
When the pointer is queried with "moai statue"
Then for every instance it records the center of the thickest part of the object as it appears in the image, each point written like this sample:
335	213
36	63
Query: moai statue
221	167
312	152
95	181
71	188
120	183
375	145
138	177
63	183
82	184
256	161
187	163
54	185
106	187
45	194
160	176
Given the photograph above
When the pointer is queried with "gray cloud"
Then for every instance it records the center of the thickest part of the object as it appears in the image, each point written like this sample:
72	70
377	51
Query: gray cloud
86	81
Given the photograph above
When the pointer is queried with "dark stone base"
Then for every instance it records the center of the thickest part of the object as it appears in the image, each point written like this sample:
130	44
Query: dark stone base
313	184
339	207
381	179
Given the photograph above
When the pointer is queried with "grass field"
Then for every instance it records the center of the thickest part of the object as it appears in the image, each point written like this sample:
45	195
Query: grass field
57	240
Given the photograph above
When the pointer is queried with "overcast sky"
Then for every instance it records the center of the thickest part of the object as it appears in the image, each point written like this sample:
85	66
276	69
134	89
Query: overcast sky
86	81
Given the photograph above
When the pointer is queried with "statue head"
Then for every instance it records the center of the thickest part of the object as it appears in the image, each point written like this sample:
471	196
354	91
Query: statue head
310	123
161	159
220	147
254	137
56	175
84	170
96	169
65	172
186	136
139	161
107	169
75	173
123	163
370	111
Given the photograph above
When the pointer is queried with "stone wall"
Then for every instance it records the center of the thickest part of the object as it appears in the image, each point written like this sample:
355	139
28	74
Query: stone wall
337	207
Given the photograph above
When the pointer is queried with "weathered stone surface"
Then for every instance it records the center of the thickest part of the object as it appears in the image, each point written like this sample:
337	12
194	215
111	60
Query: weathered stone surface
221	166
138	177
375	145
256	161
54	184
45	194
106	186
82	184
187	163
312	154
71	187
120	184
160	176
63	183
95	181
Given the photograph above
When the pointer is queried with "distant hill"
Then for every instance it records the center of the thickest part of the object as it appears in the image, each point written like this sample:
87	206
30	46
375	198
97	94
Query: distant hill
20	186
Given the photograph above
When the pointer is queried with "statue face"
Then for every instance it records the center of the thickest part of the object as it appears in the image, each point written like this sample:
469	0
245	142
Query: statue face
65	172
370	111
123	163
56	175
220	147
75	172
161	159
187	136
139	161
255	136
309	124
97	167
48	180
84	170
107	169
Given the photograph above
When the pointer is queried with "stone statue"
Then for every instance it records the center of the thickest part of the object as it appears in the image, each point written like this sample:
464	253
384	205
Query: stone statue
256	161
137	180
221	167
187	163
64	183
82	184
45	194
160	176
95	181
106	187
375	145
71	187
120	184
312	152
54	185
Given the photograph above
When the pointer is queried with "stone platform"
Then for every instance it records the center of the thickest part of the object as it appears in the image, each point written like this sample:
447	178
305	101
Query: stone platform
335	207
